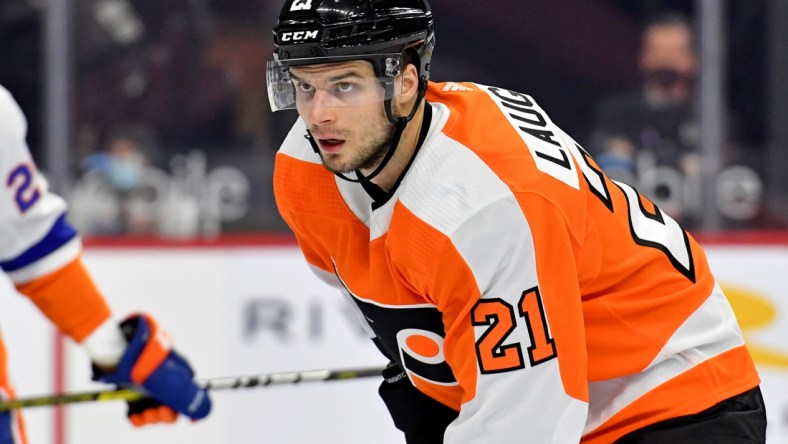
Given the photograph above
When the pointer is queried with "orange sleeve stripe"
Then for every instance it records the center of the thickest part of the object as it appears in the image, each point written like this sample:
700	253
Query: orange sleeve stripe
70	299
155	352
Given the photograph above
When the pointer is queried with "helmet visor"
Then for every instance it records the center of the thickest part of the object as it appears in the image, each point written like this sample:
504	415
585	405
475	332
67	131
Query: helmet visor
333	81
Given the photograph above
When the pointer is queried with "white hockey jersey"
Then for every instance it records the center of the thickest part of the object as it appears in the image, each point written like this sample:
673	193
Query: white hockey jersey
34	237
39	250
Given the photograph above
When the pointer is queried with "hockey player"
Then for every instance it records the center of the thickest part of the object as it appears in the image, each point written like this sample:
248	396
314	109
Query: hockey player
521	295
40	252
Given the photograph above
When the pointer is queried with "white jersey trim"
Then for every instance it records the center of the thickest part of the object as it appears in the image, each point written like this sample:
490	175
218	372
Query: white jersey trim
719	333
48	264
295	144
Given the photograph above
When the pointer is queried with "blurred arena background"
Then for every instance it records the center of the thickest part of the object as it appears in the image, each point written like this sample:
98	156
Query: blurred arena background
151	118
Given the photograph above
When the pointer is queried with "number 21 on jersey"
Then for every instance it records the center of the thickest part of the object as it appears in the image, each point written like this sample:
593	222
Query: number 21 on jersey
500	319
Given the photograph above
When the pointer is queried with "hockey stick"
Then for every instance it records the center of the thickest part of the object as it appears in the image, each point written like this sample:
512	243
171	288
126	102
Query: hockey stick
126	394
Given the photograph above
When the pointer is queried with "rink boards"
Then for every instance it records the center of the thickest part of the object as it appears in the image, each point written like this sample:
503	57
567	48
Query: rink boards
241	308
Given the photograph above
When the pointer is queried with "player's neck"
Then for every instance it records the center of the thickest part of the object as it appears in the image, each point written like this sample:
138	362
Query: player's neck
404	151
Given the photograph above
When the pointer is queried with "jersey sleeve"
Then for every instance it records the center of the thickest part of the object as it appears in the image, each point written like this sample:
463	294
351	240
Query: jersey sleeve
35	238
39	250
70	299
510	302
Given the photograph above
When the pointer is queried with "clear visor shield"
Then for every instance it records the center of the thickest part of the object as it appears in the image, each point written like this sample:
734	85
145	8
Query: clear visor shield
333	81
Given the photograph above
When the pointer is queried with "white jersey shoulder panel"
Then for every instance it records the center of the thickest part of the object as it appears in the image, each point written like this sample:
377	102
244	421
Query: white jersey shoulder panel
28	211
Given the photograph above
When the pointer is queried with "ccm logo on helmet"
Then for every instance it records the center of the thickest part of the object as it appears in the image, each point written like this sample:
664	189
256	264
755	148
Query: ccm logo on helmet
301	5
298	36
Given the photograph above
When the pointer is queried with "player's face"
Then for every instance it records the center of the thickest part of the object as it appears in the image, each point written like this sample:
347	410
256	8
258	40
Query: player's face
667	61
668	47
342	105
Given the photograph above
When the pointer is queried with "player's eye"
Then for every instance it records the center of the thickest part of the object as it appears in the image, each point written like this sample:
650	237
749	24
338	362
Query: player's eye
345	87
304	88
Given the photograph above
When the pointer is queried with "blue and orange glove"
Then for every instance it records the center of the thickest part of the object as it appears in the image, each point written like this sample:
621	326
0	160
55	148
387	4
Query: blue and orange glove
151	363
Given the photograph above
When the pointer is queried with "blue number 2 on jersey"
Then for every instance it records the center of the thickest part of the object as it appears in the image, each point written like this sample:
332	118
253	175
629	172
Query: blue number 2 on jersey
21	180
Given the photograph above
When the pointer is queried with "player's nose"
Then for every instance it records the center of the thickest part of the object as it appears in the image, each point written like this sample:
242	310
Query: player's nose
321	109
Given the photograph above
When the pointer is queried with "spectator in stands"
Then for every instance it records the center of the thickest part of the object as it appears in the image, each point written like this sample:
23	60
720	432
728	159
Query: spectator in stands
118	201
659	117
651	136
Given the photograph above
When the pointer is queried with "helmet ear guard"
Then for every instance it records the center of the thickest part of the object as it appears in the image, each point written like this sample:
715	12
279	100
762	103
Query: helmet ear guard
423	52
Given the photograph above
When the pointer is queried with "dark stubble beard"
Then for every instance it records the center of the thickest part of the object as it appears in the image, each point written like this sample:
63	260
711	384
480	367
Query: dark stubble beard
380	139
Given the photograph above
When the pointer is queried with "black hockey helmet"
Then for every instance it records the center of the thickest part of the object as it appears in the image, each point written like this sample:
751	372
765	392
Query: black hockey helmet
325	31
311	32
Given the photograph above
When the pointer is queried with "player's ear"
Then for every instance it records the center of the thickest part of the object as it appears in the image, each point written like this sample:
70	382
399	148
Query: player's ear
410	81
410	87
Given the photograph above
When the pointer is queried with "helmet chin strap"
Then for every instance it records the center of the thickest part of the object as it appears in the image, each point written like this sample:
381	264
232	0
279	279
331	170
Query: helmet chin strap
399	127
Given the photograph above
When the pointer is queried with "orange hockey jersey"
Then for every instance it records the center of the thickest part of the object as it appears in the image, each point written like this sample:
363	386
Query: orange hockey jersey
515	282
